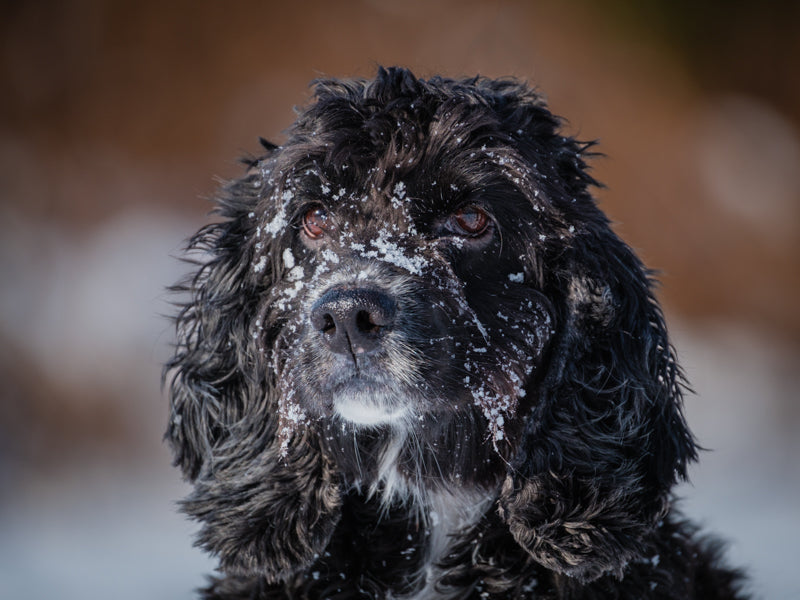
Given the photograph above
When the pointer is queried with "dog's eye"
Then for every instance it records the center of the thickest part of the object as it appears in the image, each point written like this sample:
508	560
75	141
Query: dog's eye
316	222
469	221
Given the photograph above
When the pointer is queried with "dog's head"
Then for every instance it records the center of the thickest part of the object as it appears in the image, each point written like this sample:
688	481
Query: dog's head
423	260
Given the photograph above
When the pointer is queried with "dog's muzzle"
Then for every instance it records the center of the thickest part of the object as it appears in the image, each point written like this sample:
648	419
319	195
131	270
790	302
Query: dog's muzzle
352	321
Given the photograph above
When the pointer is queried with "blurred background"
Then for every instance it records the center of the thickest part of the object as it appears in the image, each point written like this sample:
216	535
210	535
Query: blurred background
118	118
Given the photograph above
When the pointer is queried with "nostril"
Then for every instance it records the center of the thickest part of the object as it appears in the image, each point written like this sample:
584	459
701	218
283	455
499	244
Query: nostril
328	324
366	323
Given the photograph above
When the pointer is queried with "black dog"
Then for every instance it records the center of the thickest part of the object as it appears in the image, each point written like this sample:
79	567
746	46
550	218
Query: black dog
416	362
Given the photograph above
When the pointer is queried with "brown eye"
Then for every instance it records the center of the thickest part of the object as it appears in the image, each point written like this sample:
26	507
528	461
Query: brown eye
470	221
316	222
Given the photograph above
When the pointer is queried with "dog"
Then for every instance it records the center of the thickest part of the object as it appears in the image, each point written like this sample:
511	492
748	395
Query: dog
414	361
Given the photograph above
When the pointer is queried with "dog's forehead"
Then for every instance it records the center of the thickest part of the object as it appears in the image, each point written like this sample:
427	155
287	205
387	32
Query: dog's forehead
387	152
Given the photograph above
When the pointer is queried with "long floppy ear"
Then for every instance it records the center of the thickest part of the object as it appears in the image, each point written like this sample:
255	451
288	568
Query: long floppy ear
266	505
606	439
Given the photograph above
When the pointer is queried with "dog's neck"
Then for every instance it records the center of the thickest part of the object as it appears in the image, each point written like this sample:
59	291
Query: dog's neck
407	466
446	505
443	487
392	466
447	508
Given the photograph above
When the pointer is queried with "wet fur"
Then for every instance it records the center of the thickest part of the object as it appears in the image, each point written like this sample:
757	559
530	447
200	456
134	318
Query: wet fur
532	374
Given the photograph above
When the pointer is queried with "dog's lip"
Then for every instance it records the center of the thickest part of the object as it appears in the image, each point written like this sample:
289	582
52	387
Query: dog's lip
369	389
356	381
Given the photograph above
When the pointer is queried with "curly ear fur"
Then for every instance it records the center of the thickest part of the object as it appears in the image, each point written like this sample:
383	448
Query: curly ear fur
268	513
266	506
607	439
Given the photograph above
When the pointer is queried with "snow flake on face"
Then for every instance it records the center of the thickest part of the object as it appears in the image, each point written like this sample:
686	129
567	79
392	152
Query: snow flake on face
384	248
291	416
257	329
295	274
279	222
516	277
390	252
396	201
273	228
260	264
401	201
497	403
289	293
288	258
494	407
330	256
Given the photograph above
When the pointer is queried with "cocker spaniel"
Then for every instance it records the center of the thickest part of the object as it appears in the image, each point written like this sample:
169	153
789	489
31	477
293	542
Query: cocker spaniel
413	361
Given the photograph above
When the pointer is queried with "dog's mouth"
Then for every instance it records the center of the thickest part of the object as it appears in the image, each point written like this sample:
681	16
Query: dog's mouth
369	403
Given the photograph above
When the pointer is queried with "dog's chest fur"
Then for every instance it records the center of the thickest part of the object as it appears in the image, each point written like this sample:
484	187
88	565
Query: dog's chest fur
420	517
450	514
442	518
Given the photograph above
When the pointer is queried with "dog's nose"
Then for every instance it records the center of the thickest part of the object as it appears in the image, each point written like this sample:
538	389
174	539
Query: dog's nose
353	320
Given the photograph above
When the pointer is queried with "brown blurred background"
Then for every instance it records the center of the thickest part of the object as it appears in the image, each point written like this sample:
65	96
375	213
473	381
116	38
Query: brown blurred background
118	117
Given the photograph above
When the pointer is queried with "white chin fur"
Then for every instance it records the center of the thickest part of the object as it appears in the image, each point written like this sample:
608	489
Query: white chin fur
366	412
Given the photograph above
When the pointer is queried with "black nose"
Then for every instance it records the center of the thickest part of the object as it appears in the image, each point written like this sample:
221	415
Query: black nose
353	320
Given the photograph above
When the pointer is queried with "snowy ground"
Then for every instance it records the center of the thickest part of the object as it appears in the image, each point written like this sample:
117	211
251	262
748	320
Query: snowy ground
99	532
108	528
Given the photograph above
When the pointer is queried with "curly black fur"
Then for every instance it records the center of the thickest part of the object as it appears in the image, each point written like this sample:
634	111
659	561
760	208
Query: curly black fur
504	418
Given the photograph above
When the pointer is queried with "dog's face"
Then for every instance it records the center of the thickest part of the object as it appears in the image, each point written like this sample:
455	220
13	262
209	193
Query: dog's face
405	292
422	262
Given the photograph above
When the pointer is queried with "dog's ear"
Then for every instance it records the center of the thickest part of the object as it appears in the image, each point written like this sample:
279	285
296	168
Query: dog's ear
266	505
606	438
267	512
216	367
